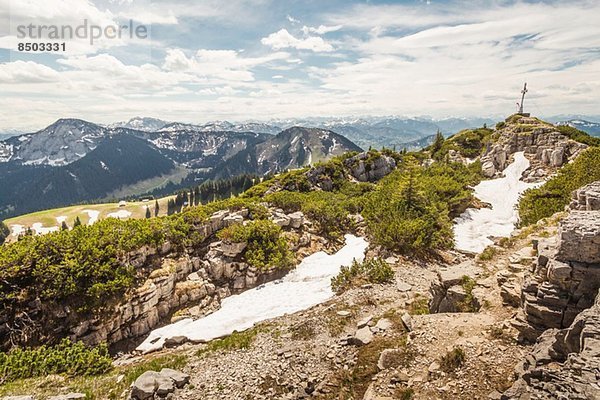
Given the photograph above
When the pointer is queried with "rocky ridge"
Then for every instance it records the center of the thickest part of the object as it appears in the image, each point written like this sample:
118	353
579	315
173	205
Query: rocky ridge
545	147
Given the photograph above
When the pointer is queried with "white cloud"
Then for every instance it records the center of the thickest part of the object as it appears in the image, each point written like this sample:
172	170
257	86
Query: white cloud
26	72
321	29
282	39
292	19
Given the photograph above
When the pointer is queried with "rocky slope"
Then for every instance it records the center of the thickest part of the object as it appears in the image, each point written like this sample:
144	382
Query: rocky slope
561	308
198	278
295	147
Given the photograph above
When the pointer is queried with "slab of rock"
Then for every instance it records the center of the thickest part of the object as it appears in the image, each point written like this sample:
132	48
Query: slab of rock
233	249
407	321
579	235
178	377
364	321
18	398
384	324
362	336
69	396
176	340
403	287
296	219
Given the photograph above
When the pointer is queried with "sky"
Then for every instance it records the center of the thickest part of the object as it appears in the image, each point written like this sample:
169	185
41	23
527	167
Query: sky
262	59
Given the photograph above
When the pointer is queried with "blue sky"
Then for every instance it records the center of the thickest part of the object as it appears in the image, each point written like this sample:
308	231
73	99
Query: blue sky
263	59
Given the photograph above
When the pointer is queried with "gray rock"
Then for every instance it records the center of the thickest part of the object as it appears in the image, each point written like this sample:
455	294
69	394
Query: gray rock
176	340
233	249
296	219
178	377
384	324
145	386
407	321
403	287
389	358
18	398
362	336
364	321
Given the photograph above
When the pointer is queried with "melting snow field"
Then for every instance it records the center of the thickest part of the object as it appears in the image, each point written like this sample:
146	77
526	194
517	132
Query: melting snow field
474	227
308	285
93	215
121	214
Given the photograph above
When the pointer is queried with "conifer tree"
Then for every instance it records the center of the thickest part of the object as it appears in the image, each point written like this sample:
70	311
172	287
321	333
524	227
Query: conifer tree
77	222
156	208
64	226
4	232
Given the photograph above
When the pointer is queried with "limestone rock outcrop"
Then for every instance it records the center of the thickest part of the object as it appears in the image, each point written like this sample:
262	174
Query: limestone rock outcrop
566	276
365	168
454	289
190	281
564	364
542	144
561	310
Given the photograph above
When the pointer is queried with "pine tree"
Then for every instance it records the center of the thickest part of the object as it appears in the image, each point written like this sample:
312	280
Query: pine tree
148	214
77	222
156	208
64	226
4	232
437	142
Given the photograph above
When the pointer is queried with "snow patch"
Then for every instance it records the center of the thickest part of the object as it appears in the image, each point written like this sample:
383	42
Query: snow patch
17	230
306	286
93	215
121	214
60	219
473	228
39	228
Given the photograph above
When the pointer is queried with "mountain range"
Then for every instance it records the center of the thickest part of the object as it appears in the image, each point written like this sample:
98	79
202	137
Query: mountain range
74	161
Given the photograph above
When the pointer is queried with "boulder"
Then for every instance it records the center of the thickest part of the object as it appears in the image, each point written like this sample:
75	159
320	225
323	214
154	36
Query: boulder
579	237
178	377
362	336
233	249
145	386
296	219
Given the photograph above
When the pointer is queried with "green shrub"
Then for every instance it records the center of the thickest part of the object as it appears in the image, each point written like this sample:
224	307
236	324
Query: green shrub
372	270
419	306
410	209
266	247
469	304
452	360
235	341
578	136
469	143
555	194
500	125
488	253
72	359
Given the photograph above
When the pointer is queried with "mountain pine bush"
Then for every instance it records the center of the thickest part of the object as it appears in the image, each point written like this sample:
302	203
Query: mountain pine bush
555	194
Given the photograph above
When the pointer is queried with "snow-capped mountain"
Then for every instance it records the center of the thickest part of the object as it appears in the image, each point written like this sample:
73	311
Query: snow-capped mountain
593	128
292	148
61	143
146	124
